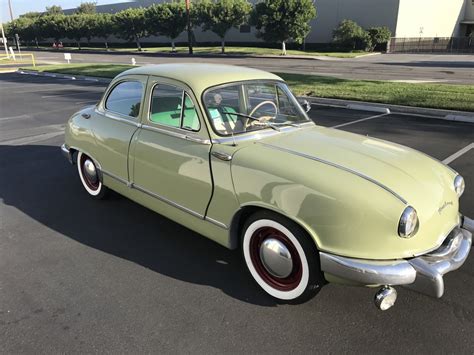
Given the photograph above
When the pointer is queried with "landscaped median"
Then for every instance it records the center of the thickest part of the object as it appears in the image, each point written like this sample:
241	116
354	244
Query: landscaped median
439	96
209	50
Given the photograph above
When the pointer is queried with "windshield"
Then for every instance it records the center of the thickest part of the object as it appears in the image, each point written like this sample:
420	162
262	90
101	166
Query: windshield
245	107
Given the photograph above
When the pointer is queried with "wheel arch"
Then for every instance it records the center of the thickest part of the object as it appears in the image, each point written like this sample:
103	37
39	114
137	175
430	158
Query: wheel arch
245	211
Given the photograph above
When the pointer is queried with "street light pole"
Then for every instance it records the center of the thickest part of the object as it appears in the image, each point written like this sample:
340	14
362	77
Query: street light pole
190	34
10	8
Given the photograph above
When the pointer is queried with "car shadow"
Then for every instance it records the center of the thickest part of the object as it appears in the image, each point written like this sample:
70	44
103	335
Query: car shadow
39	182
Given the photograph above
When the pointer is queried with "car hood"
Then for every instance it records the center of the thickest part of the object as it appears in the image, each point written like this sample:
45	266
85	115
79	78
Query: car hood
403	171
408	175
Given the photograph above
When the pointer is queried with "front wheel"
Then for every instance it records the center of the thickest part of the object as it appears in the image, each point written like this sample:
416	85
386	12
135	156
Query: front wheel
281	257
90	178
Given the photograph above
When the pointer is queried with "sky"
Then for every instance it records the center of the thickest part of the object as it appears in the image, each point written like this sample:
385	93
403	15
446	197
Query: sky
21	6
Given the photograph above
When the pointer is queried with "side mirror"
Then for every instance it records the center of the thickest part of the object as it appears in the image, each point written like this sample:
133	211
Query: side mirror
306	105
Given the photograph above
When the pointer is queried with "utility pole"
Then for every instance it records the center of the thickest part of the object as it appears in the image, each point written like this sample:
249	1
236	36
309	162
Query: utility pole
11	18
190	33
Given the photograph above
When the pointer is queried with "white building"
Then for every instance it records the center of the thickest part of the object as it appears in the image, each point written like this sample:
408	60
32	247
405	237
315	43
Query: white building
405	18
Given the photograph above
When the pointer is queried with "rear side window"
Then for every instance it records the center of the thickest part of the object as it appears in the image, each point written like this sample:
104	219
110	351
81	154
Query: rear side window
171	106
125	98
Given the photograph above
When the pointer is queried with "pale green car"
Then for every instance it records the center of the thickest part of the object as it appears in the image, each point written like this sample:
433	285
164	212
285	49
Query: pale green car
230	153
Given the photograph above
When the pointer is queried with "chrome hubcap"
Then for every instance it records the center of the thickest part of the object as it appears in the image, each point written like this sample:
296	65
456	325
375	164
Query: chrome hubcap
276	258
89	170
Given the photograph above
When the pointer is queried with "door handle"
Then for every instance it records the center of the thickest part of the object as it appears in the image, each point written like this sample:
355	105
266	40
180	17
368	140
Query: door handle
222	156
86	116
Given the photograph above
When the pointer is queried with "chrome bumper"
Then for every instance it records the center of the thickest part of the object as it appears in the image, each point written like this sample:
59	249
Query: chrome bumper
67	153
423	274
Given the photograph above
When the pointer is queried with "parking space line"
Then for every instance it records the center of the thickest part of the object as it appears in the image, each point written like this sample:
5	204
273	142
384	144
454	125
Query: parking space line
361	120
76	93
459	153
57	130
36	114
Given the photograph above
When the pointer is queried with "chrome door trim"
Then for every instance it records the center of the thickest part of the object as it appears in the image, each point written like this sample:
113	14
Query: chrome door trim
217	223
184	135
118	117
338	166
164	199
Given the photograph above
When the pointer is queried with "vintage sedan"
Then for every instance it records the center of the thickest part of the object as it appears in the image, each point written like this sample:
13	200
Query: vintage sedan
230	153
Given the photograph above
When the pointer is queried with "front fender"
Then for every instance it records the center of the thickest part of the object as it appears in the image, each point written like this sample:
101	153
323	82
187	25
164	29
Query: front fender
344	214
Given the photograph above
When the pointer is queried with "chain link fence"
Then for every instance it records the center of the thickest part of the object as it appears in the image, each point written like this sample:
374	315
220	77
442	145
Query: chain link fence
431	45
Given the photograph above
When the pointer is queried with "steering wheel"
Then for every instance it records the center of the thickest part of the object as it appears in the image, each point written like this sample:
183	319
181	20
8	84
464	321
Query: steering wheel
263	118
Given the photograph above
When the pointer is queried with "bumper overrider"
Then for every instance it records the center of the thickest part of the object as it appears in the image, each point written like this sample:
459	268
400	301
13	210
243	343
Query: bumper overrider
423	274
67	153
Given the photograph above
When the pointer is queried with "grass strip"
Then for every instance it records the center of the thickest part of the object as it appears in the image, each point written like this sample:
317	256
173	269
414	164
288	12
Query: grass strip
440	96
228	50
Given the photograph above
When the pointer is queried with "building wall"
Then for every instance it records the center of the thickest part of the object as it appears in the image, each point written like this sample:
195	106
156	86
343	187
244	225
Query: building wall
434	18
366	13
438	18
469	12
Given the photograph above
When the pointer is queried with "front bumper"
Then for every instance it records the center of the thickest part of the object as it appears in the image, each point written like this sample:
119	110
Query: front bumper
423	274
67	153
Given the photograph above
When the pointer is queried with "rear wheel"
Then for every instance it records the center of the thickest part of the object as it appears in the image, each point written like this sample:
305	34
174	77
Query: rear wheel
281	257
89	176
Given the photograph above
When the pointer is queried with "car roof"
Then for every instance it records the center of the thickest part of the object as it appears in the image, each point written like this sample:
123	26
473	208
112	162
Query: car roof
202	76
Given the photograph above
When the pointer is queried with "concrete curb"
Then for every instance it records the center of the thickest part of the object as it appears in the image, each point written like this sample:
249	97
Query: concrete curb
364	107
65	76
204	55
449	115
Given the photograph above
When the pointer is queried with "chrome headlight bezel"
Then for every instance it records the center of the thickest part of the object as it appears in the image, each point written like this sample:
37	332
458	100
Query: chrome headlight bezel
409	223
459	185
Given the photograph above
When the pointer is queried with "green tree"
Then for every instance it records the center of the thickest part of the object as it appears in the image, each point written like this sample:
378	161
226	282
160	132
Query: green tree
283	20
31	14
52	26
351	36
220	16
379	36
75	28
131	25
27	29
167	19
54	10
103	27
86	8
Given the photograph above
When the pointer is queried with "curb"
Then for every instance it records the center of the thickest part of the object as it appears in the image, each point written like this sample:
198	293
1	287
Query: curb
449	115
64	76
204	55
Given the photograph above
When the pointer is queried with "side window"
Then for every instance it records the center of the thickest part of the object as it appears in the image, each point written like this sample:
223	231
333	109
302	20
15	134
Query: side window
126	98
190	117
167	108
286	107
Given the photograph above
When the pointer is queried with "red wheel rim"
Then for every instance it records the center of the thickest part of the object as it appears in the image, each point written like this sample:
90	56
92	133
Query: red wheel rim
93	185
283	284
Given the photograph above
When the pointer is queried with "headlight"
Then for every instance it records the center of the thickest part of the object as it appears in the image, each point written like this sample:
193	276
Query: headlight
408	223
459	185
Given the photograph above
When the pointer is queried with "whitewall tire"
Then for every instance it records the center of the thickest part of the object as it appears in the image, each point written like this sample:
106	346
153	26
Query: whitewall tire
89	175
281	257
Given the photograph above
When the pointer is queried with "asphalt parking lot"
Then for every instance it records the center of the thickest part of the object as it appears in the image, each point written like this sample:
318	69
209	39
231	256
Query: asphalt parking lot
82	276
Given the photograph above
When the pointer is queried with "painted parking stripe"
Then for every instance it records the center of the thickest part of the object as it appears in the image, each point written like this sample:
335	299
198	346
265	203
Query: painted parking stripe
459	153
76	93
361	120
19	117
48	132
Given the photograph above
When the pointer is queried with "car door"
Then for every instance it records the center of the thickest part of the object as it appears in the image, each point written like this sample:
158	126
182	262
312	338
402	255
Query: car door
171	150
116	119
